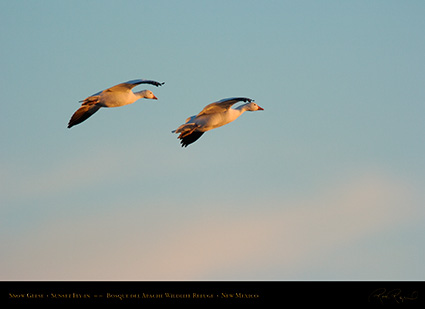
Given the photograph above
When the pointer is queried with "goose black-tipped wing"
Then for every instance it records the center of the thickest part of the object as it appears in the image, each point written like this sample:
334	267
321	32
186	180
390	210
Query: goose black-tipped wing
82	114
133	83
222	105
190	138
136	82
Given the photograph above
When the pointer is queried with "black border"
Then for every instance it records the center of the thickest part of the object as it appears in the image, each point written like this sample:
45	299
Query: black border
276	293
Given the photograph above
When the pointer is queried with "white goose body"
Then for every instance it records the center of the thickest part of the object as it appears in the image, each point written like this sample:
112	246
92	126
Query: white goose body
118	95
216	120
213	116
116	99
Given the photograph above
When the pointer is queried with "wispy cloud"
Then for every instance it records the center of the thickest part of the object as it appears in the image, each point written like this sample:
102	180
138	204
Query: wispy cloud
281	236
90	168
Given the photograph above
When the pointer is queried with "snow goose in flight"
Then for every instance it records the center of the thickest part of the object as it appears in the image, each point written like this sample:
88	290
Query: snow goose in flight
213	115
118	95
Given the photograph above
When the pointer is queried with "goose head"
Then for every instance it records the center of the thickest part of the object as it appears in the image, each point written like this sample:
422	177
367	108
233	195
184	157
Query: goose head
147	94
252	107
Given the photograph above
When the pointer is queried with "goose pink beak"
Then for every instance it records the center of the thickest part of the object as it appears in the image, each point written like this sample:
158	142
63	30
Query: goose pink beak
260	108
155	98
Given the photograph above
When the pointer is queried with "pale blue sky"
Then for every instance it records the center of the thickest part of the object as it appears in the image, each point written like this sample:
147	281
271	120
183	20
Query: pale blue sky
326	183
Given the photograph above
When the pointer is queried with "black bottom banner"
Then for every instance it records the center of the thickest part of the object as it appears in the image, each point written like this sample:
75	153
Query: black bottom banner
220	292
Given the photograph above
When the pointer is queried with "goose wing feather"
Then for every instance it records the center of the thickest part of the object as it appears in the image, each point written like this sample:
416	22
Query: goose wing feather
222	105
